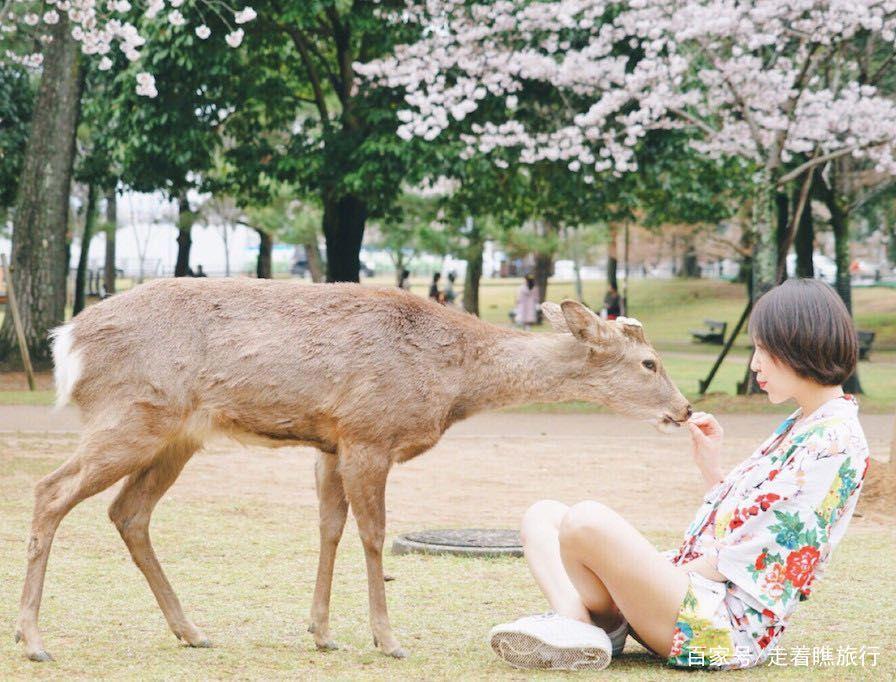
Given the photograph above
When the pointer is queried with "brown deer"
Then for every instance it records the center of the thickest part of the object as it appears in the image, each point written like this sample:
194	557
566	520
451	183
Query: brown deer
369	377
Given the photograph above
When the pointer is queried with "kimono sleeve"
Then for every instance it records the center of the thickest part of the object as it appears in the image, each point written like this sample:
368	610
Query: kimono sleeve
775	538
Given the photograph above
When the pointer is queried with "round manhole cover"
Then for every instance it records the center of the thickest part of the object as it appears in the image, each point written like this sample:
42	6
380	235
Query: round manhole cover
462	542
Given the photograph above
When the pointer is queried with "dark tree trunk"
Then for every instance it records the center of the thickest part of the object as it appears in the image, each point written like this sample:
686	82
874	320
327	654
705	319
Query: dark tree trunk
343	221
109	273
89	223
315	263
763	264
805	241
265	249
891	231
41	218
782	213
690	267
544	269
840	227
613	257
185	219
474	269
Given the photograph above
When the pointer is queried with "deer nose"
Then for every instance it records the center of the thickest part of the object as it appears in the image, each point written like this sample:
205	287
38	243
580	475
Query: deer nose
690	412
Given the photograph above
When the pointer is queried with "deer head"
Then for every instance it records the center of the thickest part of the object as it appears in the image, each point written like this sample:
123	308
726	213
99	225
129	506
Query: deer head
622	370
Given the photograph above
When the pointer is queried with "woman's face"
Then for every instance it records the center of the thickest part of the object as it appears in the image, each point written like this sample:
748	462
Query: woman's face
774	377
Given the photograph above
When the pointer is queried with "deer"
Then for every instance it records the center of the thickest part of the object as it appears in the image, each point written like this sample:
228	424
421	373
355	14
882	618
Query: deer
370	377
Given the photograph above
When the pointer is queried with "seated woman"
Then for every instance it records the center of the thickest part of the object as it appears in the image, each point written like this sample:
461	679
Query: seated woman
760	539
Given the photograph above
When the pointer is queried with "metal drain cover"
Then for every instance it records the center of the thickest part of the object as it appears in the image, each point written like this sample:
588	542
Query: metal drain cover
481	542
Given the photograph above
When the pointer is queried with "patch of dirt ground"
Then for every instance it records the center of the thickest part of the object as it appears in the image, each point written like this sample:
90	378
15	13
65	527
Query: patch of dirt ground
483	473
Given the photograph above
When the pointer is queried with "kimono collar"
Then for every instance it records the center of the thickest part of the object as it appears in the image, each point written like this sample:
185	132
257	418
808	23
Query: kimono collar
844	406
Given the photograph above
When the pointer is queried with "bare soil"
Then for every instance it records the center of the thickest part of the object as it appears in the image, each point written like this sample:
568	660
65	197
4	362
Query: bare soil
483	473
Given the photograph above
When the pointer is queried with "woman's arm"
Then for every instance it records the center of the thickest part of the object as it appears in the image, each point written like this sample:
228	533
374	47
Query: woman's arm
706	446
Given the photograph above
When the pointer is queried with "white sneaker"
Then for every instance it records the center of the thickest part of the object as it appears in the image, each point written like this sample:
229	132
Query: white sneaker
552	642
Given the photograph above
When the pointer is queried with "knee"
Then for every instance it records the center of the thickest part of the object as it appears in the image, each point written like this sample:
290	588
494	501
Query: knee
544	513
129	524
584	522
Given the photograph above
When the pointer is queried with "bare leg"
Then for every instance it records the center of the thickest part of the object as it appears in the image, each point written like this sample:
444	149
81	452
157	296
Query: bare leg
333	511
102	458
540	533
364	470
131	512
598	545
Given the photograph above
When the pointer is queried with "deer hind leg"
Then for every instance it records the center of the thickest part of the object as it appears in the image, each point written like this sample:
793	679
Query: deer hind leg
104	456
333	511
364	471
131	512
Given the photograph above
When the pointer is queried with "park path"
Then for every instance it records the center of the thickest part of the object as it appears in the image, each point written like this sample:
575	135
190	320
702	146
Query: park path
41	419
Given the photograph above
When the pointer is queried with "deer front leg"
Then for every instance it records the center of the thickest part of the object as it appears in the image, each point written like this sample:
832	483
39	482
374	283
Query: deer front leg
333	510
364	470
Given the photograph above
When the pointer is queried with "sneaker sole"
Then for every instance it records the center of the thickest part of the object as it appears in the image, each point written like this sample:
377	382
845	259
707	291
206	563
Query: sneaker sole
528	652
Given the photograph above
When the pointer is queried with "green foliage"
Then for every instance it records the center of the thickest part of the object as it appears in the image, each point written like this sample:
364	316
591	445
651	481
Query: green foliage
17	94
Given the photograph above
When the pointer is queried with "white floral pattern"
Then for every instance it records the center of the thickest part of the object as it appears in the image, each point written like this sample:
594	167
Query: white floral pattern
776	518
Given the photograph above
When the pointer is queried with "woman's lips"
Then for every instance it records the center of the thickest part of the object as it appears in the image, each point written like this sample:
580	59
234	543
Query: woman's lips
761	384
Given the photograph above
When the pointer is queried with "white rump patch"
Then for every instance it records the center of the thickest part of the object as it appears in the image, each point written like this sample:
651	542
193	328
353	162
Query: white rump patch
631	321
66	363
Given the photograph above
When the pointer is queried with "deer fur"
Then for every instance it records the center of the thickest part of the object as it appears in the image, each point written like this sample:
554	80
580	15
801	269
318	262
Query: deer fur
370	377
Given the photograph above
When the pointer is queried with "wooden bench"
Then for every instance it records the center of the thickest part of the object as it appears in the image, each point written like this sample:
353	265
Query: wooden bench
865	341
715	332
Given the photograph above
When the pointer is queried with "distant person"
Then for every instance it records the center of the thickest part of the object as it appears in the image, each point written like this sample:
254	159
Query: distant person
448	295
527	303
612	303
434	292
405	281
199	272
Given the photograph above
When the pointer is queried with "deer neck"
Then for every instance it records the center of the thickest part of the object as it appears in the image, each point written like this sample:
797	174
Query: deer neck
519	367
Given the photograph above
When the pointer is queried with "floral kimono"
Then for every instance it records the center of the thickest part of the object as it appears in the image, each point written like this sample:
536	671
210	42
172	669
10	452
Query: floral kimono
773	522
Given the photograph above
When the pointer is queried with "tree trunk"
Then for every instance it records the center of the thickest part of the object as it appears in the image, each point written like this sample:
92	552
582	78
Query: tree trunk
840	228
805	241
315	263
41	218
109	273
573	235
89	223
265	249
782	213
764	263
690	267
185	219
343	222
613	256
475	248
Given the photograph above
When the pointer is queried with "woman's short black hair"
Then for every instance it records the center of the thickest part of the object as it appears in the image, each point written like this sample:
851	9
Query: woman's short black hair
804	324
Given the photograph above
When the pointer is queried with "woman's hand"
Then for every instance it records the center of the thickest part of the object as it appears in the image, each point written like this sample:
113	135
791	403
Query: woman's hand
706	446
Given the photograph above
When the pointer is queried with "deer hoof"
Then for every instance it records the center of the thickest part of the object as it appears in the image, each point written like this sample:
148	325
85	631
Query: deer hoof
203	643
40	656
329	645
397	652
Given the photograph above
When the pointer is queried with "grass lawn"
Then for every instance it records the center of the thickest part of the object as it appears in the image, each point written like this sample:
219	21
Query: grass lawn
245	570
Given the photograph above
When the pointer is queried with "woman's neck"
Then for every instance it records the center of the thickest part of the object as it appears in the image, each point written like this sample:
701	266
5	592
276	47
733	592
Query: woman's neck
815	396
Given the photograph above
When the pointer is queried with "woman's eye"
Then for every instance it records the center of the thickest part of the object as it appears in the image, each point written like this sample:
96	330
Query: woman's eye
649	364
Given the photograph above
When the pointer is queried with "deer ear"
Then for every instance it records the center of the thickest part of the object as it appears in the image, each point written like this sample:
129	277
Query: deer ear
584	324
555	316
631	328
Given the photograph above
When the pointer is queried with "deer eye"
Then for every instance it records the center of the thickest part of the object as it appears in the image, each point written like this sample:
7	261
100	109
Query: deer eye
649	364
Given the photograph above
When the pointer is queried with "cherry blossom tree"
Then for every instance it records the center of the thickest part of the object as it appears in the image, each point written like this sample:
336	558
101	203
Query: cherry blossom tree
745	79
62	39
